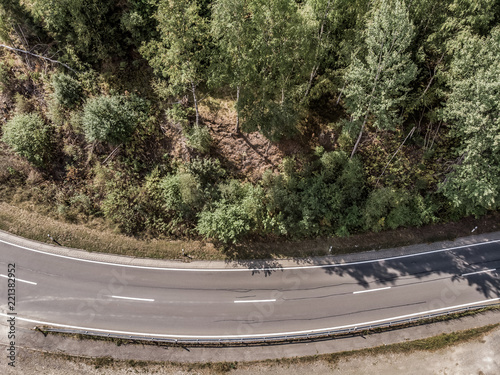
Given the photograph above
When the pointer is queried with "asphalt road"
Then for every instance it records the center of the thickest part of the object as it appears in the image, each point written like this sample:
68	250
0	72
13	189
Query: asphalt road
217	303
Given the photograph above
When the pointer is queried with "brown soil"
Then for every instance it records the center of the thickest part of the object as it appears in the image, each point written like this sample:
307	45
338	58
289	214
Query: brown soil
247	155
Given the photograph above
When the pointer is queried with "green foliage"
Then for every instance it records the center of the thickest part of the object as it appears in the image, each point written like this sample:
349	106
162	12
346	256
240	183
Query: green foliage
255	58
67	90
391	208
4	77
124	206
111	119
227	223
179	53
165	212
13	13
181	195
237	214
177	114
138	20
85	29
207	171
332	164
30	137
474	109
378	81
199	138
327	202
380	66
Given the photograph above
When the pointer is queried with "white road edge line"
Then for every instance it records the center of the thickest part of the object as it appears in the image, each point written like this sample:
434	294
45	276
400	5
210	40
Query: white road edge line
256	301
475	273
371	290
247	269
21	280
255	335
134	299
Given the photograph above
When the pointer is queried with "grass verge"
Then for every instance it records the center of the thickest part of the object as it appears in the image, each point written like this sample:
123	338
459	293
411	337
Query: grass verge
33	225
429	344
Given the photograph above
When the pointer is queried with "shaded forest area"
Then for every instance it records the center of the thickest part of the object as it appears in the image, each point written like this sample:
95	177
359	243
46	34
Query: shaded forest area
235	120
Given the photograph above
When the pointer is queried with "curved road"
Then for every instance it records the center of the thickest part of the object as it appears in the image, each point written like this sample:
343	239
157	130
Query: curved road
227	303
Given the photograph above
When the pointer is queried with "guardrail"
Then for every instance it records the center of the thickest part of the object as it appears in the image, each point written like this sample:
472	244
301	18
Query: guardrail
346	332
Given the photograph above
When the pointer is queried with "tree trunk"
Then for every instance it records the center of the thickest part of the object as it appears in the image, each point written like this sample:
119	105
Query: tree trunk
316	56
375	81
340	95
193	88
393	155
359	137
237	109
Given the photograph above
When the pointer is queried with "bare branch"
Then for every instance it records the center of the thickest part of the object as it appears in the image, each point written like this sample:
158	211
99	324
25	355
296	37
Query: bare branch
39	56
393	155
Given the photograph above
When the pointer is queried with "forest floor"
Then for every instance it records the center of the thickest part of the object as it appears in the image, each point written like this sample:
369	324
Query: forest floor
249	155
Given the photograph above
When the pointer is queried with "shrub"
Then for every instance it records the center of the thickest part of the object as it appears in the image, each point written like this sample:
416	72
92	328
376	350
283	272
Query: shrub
181	195
123	205
4	77
67	90
207	171
227	223
283	203
199	138
109	119
332	163
29	136
391	208
239	213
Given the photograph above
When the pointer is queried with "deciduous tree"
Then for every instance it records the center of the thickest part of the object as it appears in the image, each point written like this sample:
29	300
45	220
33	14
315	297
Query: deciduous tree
473	110
377	83
180	54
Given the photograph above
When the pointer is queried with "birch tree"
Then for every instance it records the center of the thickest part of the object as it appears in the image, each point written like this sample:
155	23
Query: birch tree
180	52
266	48
377	84
473	110
233	32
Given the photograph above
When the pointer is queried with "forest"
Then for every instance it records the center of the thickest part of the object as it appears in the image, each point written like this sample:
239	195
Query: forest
236	120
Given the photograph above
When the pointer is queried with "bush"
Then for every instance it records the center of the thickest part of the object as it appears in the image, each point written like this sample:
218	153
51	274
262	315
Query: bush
391	208
227	223
283	203
109	119
332	164
199	138
180	190
239	213
207	171
29	136
123	205
67	90
181	196
4	77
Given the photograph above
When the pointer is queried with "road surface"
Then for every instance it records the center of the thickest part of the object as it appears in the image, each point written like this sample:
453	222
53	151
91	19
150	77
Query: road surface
241	303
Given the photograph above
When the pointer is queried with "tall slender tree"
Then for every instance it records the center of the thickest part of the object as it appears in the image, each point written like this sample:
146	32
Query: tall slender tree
180	53
377	84
233	32
473	109
267	53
